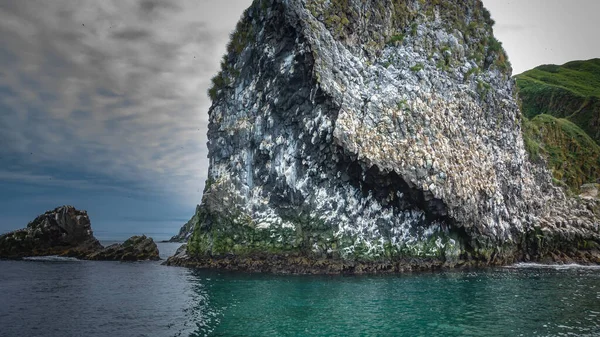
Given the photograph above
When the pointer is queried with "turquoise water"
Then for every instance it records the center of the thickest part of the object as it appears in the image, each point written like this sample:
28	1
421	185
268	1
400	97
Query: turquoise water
500	302
66	297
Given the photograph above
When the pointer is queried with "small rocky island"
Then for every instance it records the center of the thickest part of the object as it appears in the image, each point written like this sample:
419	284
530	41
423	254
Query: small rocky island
66	231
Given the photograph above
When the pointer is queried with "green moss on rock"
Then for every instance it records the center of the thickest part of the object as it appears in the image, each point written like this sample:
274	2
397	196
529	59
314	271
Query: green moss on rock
572	155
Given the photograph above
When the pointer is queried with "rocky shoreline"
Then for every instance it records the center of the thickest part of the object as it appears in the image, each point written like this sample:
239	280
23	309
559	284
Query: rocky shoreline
301	265
66	231
304	265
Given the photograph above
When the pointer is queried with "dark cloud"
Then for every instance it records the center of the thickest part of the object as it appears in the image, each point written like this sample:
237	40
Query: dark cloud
132	34
84	97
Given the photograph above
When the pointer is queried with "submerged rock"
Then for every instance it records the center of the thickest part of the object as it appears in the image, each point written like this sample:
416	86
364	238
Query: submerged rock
63	231
384	135
136	248
66	231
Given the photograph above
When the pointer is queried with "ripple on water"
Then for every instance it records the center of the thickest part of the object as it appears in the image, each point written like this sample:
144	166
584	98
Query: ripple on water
49	298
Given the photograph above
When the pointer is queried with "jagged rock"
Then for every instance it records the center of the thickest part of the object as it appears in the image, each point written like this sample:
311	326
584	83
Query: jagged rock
379	134
136	248
66	231
63	231
179	256
186	230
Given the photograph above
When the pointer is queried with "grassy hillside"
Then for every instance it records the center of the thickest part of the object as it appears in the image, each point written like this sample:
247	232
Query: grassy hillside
572	155
570	91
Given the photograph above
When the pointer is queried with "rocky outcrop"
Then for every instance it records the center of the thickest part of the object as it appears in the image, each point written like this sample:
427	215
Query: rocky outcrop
63	231
186	230
136	248
379	134
66	231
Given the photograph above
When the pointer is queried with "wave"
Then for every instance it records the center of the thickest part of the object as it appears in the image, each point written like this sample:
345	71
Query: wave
524	265
51	258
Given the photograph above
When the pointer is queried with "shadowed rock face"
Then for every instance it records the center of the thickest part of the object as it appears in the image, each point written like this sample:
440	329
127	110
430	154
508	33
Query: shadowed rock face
380	133
63	231
66	231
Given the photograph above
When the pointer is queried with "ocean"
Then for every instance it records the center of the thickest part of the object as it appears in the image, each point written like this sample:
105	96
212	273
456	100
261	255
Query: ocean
67	297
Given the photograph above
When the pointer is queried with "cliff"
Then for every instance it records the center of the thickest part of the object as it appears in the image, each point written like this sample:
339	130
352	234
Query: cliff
379	136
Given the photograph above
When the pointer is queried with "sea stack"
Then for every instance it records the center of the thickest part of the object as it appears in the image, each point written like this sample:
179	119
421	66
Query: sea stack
63	231
379	136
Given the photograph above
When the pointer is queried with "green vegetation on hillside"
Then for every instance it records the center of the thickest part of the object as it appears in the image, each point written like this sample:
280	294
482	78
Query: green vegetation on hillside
572	155
570	91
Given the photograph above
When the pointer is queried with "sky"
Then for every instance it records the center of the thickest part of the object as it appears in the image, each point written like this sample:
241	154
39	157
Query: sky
103	104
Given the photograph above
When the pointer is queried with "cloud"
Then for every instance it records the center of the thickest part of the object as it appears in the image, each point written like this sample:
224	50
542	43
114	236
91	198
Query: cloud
132	34
53	181
111	88
150	6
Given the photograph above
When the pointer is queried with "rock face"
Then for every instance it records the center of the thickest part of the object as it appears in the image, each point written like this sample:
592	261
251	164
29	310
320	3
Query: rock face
186	230
379	136
136	248
63	231
66	231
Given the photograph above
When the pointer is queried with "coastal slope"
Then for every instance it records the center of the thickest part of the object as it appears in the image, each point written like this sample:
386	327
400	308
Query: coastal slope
570	91
561	124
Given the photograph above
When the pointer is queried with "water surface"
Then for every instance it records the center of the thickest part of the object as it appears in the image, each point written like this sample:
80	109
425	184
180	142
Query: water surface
66	297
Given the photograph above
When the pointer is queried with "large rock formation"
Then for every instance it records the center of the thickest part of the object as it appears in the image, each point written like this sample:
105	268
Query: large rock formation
378	136
65	231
